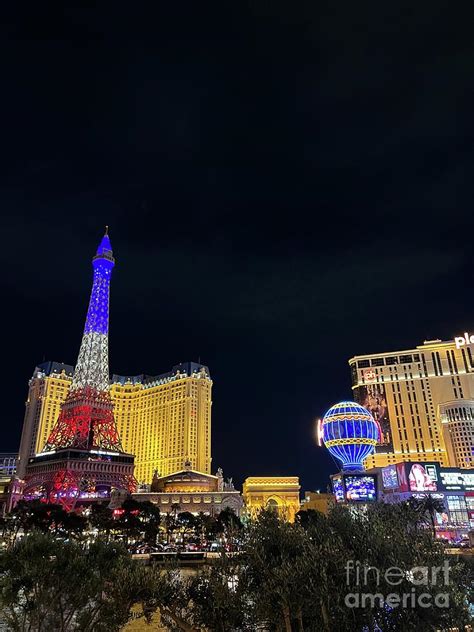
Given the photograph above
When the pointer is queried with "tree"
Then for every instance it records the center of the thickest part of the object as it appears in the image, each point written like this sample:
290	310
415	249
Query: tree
219	600
101	517
73	524
47	584
170	523
208	526
186	523
45	517
427	508
383	537
297	577
128	523
274	568
288	578
167	592
230	525
150	518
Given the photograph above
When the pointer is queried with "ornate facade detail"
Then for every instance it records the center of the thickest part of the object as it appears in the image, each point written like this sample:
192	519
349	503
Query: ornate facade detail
189	490
281	493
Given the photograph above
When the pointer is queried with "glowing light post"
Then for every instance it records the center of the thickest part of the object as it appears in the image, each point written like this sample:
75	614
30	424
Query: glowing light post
350	433
86	429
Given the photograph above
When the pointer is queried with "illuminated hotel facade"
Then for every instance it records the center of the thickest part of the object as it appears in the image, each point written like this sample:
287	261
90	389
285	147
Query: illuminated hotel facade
164	421
423	399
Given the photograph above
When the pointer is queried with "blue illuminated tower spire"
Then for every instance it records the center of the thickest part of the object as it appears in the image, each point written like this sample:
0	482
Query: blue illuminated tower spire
86	420
92	368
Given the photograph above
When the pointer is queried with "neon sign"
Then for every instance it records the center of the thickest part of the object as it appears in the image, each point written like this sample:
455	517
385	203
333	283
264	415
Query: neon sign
467	339
457	480
319	432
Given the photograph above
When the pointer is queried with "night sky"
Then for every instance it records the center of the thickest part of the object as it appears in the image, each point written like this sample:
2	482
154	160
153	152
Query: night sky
287	184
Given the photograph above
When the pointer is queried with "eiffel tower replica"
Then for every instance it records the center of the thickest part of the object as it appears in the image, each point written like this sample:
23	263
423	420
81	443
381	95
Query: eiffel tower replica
83	460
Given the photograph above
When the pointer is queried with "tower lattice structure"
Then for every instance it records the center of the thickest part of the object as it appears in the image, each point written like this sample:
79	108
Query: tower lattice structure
83	458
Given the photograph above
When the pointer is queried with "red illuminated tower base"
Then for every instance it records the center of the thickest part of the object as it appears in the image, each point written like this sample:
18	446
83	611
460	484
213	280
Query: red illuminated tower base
83	459
78	477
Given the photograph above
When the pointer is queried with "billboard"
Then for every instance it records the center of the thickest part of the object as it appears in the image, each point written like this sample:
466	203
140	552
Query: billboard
418	477
373	397
452	479
430	477
338	488
389	477
422	477
360	488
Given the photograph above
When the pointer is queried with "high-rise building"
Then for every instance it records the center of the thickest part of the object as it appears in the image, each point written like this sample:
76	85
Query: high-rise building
422	399
83	458
8	461
163	421
457	418
47	390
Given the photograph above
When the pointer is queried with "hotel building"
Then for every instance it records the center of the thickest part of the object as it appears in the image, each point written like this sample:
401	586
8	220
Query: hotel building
196	492
164	421
423	399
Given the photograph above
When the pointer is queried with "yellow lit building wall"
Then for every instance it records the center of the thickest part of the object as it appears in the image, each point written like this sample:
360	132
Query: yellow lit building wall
318	502
411	385
45	396
280	493
163	423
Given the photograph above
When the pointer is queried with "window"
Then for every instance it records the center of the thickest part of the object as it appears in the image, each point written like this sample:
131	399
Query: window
405	359
457	509
378	362
362	364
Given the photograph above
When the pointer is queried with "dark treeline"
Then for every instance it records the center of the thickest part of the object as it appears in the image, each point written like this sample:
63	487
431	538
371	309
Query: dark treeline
309	576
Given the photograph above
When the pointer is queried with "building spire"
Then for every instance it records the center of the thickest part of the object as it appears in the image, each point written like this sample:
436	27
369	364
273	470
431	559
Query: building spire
92	368
105	247
90	382
84	455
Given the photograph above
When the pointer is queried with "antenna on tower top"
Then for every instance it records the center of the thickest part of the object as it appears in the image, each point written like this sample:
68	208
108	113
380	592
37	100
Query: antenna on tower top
106	230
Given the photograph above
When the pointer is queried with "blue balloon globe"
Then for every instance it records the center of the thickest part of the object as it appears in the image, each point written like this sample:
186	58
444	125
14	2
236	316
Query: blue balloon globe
350	433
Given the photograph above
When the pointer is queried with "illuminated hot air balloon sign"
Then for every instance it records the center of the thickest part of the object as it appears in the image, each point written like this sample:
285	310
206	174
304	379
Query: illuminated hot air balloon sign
350	433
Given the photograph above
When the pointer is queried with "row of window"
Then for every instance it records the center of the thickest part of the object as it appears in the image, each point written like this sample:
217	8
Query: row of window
402	359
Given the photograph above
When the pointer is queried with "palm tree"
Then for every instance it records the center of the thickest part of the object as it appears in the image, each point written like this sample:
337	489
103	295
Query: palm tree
433	506
102	519
187	524
230	524
427	508
170	522
150	517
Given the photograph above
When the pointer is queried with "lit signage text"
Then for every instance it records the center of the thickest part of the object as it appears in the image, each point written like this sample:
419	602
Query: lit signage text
467	339
457	480
369	375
